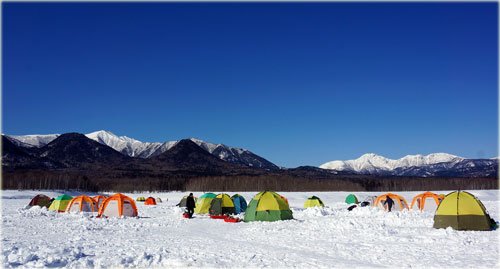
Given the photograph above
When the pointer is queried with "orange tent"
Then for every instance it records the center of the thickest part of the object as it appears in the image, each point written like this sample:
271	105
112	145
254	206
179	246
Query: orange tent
98	200
399	201
118	205
81	203
422	199
150	201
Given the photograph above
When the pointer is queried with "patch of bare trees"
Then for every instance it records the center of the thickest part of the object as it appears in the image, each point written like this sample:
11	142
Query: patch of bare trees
126	182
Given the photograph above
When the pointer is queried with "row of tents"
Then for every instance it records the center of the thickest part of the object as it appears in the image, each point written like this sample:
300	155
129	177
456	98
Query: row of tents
116	205
420	201
217	204
149	200
459	209
423	201
265	206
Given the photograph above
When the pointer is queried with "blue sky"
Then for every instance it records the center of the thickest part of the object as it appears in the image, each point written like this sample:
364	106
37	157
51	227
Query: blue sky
299	84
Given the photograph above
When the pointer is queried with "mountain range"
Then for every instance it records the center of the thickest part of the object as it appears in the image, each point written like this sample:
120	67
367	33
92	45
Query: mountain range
135	148
105	149
435	164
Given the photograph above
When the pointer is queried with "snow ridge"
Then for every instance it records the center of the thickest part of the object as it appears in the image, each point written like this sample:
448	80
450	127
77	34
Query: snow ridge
136	148
129	146
223	152
373	163
35	140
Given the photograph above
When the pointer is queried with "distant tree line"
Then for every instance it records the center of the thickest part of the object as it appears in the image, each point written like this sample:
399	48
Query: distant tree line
126	182
47	181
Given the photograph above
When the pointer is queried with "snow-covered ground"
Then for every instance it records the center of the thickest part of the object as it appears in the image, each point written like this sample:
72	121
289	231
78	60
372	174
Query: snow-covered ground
317	237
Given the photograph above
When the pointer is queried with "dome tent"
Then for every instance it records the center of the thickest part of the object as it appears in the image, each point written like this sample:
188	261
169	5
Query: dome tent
118	205
313	201
267	206
141	199
60	203
81	203
203	203
183	201
221	205
427	200
240	204
98	200
399	201
461	210
284	198
40	200
351	199
150	201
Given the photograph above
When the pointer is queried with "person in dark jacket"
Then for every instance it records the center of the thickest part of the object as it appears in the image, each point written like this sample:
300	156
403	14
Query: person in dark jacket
389	202
190	205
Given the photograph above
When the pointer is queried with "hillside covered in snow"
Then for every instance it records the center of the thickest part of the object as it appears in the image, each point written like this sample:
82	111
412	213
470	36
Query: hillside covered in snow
436	164
135	148
102	161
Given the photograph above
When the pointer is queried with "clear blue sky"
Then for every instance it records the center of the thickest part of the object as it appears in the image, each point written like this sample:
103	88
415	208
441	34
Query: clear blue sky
299	84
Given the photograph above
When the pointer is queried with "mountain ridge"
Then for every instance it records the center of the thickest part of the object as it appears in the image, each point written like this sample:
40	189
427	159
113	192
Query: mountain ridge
74	161
434	164
138	149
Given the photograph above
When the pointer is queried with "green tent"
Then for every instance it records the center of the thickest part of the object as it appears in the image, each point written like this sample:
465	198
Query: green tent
267	206
203	203
60	203
351	199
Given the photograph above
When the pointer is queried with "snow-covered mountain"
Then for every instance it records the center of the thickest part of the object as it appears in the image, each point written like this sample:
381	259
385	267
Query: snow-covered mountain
136	148
130	146
235	155
371	162
415	165
33	140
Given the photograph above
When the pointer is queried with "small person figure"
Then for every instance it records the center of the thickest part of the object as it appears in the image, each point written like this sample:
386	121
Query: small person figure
388	202
190	205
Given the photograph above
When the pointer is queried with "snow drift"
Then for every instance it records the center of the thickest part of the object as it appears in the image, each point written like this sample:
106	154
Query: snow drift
317	237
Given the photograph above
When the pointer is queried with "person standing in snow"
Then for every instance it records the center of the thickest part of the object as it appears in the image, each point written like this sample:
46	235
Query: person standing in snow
388	202
190	205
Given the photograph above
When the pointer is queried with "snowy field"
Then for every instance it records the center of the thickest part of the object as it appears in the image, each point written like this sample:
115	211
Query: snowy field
160	237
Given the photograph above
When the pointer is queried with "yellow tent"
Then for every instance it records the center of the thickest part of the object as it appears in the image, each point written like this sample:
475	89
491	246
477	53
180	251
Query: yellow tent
222	204
313	201
60	203
461	210
267	206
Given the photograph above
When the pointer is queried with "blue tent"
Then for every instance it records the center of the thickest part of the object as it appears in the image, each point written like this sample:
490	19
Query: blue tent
240	204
